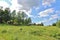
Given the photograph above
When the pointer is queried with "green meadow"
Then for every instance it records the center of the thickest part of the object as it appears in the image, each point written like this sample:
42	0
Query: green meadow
29	20
10	32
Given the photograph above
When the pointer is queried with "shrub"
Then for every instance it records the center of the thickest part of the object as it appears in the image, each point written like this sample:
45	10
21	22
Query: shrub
54	24
16	38
21	29
4	31
36	33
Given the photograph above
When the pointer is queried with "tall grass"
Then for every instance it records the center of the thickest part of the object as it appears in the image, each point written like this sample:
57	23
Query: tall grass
9	32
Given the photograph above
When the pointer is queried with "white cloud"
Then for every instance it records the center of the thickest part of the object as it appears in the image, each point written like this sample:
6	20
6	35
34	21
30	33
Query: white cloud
47	2
28	4
58	12
37	8
18	7
46	12
15	5
2	3
41	21
25	5
27	12
53	17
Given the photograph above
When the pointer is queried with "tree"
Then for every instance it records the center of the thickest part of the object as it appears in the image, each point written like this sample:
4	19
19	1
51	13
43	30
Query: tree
27	21
13	16
19	18
58	23
22	18
6	15
42	24
1	15
23	15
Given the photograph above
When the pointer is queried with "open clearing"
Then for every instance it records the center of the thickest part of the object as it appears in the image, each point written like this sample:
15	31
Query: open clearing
10	32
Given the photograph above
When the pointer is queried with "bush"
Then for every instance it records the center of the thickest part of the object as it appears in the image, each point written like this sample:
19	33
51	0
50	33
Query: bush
4	31
16	38
36	33
21	29
54	24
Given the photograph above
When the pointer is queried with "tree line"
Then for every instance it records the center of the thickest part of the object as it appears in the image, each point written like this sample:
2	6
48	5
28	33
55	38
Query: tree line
56	24
8	17
18	18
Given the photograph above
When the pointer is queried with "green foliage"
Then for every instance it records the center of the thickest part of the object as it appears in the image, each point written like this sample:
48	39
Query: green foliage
40	24
4	15
54	24
36	33
58	23
16	18
4	31
21	29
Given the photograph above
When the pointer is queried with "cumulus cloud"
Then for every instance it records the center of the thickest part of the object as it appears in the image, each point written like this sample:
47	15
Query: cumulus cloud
27	12
55	16
28	4
15	5
24	5
52	17
46	12
47	2
2	3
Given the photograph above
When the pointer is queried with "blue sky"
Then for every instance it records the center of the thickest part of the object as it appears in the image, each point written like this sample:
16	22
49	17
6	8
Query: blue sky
46	11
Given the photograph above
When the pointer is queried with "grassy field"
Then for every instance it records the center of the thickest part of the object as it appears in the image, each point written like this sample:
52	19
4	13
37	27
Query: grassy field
10	32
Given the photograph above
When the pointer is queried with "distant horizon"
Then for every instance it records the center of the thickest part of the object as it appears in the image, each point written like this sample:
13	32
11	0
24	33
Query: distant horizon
40	11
